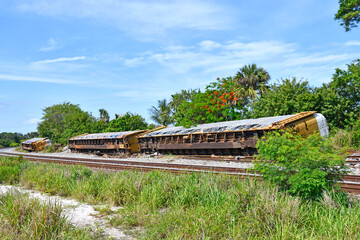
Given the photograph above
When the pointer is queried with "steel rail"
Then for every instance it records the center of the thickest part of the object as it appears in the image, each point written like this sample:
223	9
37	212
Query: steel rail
351	183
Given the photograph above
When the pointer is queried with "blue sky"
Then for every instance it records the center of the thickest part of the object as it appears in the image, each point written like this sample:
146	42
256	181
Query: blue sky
125	55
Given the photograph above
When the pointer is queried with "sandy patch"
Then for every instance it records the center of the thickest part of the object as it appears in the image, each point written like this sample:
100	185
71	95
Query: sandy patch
79	214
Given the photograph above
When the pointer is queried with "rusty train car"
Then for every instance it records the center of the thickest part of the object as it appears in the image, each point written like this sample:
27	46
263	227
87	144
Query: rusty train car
109	143
35	144
228	138
222	138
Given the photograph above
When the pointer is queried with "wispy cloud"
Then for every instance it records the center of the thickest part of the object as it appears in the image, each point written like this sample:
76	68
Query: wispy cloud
352	43
32	121
139	16
64	59
208	58
8	77
51	45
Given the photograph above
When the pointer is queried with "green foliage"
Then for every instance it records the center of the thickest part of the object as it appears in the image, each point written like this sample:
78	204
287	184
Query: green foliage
8	139
127	122
22	217
287	97
348	13
183	96
173	206
161	114
217	103
304	167
62	121
250	80
104	115
344	107
343	140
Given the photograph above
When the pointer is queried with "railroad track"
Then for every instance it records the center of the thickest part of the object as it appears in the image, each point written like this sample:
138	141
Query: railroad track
351	183
126	164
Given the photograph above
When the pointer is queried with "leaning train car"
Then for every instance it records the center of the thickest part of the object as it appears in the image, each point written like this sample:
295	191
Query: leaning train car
228	138
106	143
35	144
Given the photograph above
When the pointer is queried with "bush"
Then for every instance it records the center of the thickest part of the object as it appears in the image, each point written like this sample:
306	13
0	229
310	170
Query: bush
304	167
14	144
343	139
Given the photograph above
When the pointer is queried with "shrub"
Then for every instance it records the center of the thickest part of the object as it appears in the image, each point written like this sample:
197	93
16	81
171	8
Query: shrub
300	166
14	144
342	138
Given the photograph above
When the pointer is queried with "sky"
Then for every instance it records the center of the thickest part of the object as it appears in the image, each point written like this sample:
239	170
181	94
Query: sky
126	55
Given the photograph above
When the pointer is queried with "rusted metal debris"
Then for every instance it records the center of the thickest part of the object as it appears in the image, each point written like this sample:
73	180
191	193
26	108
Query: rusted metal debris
237	138
228	138
35	144
111	142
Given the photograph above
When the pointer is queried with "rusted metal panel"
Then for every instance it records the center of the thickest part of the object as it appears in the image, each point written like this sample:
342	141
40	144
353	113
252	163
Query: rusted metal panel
110	143
234	126
227	137
108	135
36	144
98	147
217	145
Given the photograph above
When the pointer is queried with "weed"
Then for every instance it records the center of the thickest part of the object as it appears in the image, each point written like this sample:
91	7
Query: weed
197	206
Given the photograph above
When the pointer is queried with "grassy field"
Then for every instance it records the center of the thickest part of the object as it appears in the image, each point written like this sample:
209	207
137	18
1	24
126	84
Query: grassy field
24	218
193	206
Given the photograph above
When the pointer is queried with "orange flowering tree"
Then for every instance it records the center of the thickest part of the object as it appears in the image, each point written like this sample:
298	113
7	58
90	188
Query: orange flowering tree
218	103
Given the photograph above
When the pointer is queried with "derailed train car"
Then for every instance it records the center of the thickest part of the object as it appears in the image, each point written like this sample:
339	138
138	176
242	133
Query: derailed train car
228	138
109	143
35	144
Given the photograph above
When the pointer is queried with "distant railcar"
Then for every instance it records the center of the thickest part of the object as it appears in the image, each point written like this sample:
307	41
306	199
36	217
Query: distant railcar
228	138
35	144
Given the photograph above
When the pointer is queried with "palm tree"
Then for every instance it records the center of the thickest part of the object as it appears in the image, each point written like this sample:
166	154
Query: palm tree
104	115
252	79
162	113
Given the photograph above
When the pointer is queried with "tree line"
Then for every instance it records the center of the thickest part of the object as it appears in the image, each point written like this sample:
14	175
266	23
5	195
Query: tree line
249	95
9	139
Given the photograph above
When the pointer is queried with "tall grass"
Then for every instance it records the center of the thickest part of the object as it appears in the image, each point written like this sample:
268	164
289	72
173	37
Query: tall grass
197	206
25	218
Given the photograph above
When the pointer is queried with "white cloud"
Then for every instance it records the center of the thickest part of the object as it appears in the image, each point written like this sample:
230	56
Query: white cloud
32	121
139	17
225	58
209	45
52	44
64	59
134	61
352	43
8	77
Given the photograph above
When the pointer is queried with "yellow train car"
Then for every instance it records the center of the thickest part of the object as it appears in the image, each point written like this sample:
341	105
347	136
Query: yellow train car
109	143
228	138
36	144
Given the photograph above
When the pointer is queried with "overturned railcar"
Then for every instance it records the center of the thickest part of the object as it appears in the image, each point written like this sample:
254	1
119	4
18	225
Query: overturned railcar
109	143
35	144
228	138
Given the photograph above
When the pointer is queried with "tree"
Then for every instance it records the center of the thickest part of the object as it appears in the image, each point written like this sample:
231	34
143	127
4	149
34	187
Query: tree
217	103
104	115
348	13
304	167
127	122
178	98
251	80
287	97
345	101
61	121
162	113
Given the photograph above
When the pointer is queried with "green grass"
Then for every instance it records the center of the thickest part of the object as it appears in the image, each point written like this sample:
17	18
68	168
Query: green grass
24	218
194	206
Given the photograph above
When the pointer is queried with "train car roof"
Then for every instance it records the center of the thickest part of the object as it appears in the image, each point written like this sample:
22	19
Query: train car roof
32	140
237	125
107	135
